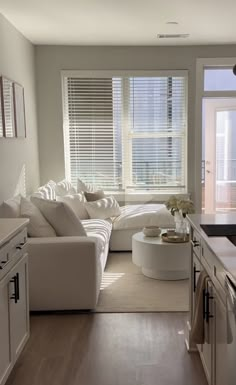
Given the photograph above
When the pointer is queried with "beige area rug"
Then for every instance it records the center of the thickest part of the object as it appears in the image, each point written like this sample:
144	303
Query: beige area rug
125	289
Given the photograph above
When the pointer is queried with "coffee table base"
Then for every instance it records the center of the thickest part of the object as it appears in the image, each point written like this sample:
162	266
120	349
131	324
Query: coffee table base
166	275
161	260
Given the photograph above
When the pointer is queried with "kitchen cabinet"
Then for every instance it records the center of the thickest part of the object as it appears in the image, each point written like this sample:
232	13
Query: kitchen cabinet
14	303
223	337
214	350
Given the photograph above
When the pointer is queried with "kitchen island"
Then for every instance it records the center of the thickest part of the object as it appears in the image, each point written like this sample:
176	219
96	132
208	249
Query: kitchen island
211	326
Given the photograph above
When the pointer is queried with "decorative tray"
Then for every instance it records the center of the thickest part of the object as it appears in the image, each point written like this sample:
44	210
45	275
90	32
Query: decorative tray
174	238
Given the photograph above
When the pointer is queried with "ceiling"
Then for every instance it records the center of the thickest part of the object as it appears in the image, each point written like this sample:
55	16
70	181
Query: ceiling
122	22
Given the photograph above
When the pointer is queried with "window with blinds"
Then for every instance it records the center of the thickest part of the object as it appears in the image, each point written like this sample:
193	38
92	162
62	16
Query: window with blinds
126	133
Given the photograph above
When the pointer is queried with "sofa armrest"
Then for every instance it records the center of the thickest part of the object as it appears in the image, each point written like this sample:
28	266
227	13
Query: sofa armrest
64	273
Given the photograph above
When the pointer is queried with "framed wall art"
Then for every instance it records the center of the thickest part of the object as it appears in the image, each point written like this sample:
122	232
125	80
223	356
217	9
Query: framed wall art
1	112
7	111
19	110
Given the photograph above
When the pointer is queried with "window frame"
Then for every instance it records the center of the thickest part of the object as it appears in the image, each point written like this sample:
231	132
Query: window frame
127	159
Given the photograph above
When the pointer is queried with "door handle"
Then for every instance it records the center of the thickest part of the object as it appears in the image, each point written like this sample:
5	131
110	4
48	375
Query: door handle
208	171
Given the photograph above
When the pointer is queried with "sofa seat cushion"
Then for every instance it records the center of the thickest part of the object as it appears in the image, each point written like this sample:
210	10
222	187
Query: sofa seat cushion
101	230
138	216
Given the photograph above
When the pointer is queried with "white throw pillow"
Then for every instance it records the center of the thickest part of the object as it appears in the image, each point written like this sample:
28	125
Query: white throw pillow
60	216
94	196
76	203
64	188
47	191
38	225
103	208
10	208
82	186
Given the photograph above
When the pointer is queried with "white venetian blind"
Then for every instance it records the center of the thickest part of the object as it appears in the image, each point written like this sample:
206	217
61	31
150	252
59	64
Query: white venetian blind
89	131
157	132
126	133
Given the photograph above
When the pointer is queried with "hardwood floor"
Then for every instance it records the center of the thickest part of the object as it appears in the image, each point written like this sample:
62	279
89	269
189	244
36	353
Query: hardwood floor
107	349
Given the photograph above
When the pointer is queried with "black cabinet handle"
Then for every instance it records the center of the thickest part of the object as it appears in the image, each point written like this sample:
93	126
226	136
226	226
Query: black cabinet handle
195	243
2	263
17	287
16	294
206	303
20	246
194	277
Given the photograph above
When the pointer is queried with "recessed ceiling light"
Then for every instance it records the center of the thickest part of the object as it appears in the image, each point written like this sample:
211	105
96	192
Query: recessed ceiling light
172	22
172	35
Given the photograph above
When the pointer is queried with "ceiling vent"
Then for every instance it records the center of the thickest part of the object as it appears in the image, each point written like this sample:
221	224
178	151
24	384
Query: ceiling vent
172	35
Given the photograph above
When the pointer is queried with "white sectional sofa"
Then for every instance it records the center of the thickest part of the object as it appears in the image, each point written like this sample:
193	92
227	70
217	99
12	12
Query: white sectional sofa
65	272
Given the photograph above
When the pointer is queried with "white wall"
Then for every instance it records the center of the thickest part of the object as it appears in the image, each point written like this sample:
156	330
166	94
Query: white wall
19	165
51	59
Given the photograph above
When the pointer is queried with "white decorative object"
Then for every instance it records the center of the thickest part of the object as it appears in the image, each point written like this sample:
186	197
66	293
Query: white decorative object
151	231
161	260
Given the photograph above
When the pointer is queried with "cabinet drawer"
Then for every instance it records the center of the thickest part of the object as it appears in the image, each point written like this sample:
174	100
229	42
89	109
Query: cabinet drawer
4	257
196	243
12	251
18	244
212	264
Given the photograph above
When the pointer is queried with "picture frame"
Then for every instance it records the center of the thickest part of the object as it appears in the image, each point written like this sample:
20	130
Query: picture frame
7	110
1	111
19	110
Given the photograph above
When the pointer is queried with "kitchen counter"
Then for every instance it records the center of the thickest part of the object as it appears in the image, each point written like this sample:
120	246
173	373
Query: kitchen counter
222	247
9	227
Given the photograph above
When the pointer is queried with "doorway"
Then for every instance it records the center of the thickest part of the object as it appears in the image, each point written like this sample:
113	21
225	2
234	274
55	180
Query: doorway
219	154
215	156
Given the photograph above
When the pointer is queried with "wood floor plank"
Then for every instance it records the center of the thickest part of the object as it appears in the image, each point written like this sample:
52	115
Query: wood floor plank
107	349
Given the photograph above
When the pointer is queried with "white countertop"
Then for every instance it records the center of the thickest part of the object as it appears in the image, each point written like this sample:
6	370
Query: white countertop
224	250
9	227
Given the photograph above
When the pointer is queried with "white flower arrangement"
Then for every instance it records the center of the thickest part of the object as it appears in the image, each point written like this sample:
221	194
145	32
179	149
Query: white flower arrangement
183	206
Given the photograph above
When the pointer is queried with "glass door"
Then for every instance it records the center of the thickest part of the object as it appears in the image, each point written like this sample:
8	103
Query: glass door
219	154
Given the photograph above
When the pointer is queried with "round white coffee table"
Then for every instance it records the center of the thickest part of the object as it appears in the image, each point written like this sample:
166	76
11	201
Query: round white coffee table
161	260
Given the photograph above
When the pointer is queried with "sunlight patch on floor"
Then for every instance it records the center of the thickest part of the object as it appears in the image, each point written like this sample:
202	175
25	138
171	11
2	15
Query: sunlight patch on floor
110	278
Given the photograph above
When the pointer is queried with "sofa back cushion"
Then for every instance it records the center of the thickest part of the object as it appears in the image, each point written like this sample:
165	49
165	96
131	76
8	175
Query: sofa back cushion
10	208
48	191
103	208
60	216
76	203
38	225
83	186
64	188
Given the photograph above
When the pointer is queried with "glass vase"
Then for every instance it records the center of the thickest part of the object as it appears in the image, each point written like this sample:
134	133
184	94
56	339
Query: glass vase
181	225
